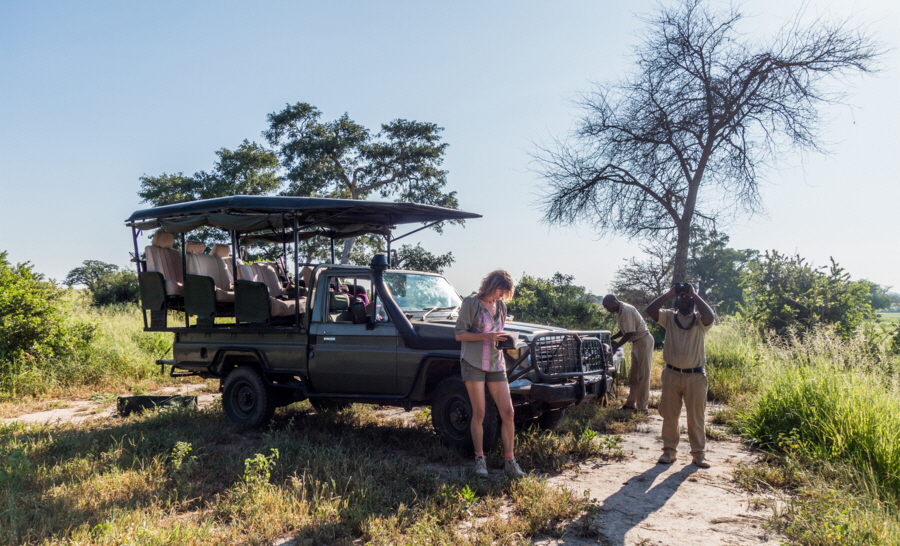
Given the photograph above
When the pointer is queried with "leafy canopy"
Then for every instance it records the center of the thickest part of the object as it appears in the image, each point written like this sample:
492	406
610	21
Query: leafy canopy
786	293
416	258
108	284
558	302
713	268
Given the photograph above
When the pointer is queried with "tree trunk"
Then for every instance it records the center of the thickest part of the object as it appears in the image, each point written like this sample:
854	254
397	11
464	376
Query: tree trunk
679	272
348	246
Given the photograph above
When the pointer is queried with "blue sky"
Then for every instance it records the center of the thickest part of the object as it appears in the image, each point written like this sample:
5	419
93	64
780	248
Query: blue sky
94	95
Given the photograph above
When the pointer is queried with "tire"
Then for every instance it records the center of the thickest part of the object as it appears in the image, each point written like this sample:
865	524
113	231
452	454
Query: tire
451	414
247	400
549	420
322	406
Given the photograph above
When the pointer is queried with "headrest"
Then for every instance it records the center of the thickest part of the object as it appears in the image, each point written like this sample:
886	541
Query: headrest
247	273
339	301
194	247
163	239
359	290
223	251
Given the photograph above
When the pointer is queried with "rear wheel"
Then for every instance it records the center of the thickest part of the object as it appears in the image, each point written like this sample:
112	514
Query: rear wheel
246	399
451	415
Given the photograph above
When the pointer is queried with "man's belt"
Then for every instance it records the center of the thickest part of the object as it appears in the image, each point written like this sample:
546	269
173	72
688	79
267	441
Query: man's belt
685	370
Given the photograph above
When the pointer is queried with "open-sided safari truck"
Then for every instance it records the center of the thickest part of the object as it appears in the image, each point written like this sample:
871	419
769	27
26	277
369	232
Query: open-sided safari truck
337	334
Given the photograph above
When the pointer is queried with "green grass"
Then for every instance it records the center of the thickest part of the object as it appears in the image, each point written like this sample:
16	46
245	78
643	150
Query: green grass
828	412
121	358
893	317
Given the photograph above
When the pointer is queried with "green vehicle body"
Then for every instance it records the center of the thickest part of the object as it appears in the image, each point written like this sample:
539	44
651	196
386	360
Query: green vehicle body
395	355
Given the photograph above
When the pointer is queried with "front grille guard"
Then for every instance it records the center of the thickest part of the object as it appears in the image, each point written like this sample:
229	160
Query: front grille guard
560	355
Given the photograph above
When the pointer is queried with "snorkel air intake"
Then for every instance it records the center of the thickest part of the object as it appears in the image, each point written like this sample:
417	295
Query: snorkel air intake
407	331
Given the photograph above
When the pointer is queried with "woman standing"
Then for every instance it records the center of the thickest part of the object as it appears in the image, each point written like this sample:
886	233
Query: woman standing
479	328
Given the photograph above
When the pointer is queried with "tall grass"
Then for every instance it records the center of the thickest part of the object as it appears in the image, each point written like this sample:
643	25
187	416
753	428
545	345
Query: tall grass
120	356
829	408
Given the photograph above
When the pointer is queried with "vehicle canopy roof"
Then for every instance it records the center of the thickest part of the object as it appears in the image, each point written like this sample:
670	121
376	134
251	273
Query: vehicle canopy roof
337	218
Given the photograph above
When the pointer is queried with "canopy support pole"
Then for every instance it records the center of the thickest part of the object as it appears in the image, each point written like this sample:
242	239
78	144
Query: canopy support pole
388	239
332	250
187	318
137	261
296	275
234	266
418	230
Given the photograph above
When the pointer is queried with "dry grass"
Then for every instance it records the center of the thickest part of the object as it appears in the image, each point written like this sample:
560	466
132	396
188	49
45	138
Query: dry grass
190	477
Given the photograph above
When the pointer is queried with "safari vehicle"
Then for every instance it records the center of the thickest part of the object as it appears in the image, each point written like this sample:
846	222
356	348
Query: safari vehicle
337	334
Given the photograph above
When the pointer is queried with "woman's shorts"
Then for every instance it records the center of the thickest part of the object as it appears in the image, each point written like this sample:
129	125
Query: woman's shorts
471	373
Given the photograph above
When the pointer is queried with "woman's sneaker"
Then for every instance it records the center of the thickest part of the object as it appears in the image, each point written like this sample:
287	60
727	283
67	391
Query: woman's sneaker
511	468
481	466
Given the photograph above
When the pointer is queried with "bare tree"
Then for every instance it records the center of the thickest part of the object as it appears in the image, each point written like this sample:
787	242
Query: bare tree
684	139
640	282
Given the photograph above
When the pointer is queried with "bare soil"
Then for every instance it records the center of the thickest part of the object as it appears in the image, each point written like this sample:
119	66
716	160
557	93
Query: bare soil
638	502
641	502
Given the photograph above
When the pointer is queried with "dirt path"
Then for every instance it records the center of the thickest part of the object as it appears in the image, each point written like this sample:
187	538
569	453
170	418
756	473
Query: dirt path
644	503
639	502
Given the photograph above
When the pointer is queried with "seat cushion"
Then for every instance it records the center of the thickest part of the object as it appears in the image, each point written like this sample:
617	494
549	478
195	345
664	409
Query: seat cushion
285	308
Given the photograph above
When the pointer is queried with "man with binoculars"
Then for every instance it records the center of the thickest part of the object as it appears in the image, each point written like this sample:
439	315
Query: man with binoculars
684	377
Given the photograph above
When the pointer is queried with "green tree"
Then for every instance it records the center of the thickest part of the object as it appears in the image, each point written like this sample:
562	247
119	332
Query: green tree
251	169
33	323
879	296
786	293
343	159
108	284
89	274
715	270
686	137
416	258
558	302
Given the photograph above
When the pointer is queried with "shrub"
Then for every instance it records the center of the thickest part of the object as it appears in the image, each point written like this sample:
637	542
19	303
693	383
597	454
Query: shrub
32	322
116	287
786	294
558	302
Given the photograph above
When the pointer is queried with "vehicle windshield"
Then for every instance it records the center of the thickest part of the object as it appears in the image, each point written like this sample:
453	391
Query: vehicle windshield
414	292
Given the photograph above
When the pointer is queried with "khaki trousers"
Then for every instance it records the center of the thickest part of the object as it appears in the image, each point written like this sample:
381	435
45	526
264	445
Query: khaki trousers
639	374
689	388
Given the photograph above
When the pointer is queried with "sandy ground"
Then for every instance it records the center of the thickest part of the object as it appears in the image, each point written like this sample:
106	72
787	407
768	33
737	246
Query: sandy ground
644	503
639	502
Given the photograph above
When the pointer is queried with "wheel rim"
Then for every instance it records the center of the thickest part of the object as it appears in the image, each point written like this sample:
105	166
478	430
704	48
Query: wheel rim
458	416
244	399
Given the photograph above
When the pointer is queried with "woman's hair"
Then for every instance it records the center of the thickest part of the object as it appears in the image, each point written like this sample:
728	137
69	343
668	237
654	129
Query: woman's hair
494	280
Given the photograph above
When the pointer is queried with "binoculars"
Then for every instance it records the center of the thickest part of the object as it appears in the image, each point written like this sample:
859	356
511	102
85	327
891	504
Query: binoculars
682	288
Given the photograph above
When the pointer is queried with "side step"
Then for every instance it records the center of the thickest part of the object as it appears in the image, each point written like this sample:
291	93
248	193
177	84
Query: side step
191	368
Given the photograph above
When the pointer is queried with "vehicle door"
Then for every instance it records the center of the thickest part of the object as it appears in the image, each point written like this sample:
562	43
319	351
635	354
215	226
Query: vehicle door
347	358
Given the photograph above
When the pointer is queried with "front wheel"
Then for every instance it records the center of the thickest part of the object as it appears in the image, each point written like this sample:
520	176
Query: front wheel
246	399
549	420
451	415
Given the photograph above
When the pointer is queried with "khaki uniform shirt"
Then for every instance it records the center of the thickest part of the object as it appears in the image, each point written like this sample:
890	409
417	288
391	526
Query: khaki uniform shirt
630	320
683	348
473	317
